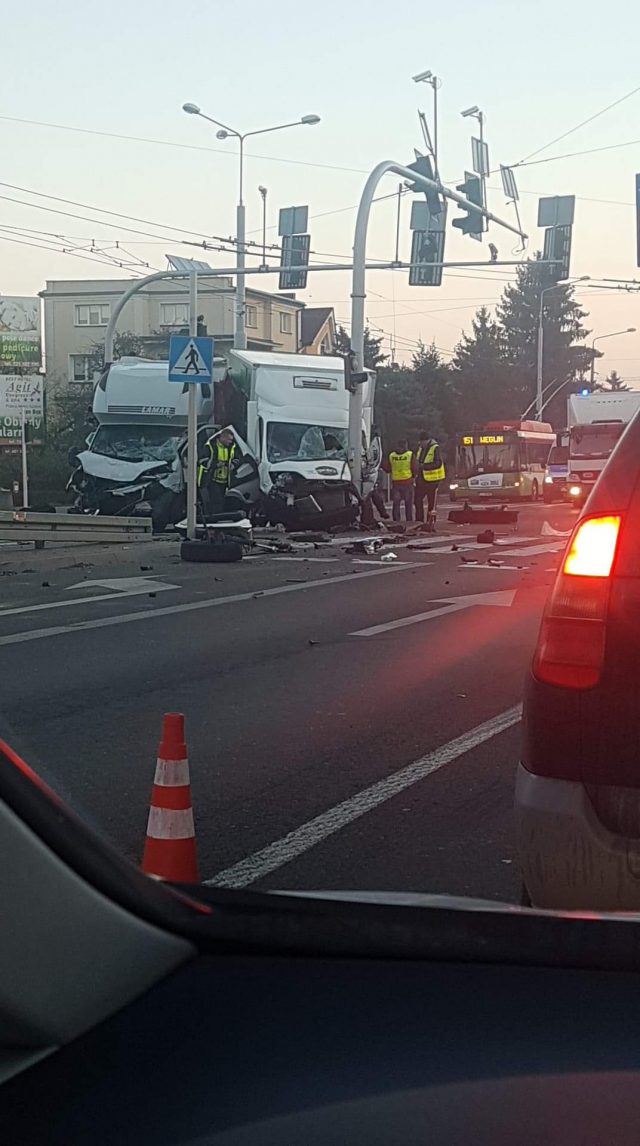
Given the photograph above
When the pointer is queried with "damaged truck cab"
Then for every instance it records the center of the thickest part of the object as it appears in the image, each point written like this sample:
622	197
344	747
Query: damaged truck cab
292	410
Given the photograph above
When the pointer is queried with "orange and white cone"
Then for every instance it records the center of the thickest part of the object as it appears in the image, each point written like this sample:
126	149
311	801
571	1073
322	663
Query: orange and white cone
170	846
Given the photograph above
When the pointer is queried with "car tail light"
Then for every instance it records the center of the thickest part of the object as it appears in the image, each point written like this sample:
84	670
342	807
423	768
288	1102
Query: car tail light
570	650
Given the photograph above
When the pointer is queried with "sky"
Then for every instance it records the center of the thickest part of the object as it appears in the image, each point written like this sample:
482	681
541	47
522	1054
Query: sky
536	69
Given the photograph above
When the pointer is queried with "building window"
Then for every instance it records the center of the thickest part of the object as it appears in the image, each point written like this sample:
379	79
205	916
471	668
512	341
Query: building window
285	322
93	314
81	367
174	313
325	345
252	316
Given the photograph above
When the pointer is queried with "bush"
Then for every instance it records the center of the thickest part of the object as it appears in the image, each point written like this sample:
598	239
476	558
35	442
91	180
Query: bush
48	474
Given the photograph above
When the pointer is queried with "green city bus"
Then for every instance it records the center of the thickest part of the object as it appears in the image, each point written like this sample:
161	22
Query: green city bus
503	461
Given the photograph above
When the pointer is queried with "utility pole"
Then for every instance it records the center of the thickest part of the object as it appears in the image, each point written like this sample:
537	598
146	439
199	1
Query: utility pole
543	292
358	289
192	417
225	132
25	475
263	193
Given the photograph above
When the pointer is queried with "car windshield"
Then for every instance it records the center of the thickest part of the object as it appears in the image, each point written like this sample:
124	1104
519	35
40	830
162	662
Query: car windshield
251	254
475	460
594	441
137	443
299	441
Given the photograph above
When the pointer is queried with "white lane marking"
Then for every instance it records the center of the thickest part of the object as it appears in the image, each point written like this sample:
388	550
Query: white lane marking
125	585
190	606
377	560
503	598
314	831
550	547
151	587
549	531
478	565
325	560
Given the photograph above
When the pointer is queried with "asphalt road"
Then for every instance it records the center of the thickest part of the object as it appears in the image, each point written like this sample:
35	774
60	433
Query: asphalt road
331	746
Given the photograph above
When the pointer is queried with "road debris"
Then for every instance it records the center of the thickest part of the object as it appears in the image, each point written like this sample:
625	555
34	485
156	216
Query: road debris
486	537
389	557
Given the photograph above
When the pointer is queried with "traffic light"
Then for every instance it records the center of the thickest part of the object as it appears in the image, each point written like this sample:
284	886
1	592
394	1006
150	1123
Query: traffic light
472	223
423	166
352	377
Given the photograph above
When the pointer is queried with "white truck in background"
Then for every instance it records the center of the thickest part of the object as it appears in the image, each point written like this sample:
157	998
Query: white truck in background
595	422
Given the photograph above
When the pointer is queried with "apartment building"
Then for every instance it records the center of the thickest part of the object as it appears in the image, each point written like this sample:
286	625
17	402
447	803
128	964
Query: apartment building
76	313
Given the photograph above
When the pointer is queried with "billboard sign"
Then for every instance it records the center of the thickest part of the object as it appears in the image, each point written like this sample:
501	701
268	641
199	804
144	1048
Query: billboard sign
20	392
19	334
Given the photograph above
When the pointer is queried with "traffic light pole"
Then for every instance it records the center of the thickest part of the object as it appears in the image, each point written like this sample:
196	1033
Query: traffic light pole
358	292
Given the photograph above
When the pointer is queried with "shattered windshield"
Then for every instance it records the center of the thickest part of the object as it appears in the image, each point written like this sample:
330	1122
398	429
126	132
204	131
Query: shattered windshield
298	441
137	443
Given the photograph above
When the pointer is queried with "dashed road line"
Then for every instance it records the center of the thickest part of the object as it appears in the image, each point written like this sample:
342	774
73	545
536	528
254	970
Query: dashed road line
313	832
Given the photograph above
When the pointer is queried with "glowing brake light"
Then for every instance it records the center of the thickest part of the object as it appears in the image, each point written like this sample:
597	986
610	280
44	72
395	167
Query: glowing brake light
571	645
593	548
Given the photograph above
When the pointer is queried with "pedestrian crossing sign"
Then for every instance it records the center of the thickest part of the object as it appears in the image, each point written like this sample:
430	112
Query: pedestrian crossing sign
190	358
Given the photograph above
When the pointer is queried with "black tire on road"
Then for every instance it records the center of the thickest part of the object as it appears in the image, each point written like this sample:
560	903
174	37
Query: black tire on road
210	552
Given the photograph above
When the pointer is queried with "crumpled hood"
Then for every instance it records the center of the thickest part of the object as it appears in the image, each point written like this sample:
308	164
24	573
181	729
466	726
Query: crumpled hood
116	470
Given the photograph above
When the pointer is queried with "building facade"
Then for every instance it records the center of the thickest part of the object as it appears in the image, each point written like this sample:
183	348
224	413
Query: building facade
76	313
318	330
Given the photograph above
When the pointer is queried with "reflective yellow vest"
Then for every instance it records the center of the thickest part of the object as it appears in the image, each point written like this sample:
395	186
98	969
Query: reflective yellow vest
429	471
224	456
401	466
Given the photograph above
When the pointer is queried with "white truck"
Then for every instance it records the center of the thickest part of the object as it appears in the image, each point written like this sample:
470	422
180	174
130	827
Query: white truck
289	414
595	422
292	411
132	463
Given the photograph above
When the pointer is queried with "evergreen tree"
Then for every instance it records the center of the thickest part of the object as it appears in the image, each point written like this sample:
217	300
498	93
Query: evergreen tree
481	378
564	360
415	397
373	354
614	382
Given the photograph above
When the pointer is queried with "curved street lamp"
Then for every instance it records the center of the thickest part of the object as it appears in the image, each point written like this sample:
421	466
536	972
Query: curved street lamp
226	132
614	334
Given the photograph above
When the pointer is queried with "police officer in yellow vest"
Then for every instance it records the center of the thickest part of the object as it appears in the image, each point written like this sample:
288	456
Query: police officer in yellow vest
400	464
215	468
429	473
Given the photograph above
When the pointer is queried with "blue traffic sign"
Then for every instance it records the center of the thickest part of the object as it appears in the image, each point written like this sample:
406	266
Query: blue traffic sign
190	358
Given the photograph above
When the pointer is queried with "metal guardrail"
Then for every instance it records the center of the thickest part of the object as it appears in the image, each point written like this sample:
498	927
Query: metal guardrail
25	525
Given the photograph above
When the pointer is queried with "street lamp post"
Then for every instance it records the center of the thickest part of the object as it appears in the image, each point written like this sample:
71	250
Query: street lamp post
434	83
475	113
263	196
614	334
543	292
225	132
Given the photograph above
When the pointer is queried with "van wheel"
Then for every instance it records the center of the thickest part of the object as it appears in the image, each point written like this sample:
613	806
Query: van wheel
535	492
210	552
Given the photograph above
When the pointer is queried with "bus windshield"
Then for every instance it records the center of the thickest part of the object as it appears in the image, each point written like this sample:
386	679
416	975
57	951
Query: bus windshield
495	458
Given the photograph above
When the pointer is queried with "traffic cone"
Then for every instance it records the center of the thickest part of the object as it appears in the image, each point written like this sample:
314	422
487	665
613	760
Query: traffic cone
170	846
